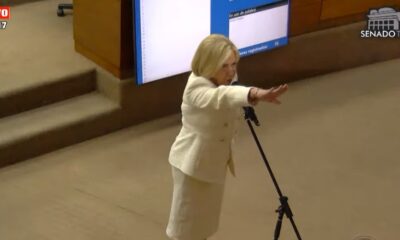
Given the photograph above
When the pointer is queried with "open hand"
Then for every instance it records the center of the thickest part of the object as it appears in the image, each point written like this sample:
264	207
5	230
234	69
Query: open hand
269	95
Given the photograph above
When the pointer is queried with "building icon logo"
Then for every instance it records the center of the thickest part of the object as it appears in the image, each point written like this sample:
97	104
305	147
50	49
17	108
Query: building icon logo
382	23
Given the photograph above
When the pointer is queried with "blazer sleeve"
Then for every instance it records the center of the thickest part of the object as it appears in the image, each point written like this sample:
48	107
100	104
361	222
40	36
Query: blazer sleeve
202	93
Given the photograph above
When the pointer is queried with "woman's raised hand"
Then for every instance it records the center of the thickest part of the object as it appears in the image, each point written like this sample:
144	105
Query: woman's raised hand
268	95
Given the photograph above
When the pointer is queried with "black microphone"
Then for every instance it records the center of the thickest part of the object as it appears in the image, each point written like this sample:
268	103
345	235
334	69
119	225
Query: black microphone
249	112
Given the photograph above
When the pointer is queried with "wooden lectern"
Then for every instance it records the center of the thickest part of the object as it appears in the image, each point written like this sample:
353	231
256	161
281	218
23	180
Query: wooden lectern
103	32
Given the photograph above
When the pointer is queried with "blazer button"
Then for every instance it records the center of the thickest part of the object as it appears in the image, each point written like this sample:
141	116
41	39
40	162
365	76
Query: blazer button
226	124
222	140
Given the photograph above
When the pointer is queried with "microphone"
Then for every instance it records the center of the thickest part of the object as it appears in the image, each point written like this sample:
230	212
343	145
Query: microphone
249	113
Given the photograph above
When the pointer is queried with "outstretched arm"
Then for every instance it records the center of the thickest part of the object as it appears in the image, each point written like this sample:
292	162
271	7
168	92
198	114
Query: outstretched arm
267	95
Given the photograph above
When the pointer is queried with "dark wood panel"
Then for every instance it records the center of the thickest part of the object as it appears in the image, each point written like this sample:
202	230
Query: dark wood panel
127	42
340	8
304	18
296	3
335	22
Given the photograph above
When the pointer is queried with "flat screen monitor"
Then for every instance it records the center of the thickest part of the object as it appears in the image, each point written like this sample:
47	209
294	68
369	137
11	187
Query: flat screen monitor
167	32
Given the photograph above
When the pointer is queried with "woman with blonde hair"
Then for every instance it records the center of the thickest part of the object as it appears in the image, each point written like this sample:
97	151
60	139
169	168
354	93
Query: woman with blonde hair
201	153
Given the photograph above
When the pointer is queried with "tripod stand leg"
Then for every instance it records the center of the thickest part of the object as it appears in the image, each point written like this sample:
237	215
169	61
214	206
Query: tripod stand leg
278	223
284	209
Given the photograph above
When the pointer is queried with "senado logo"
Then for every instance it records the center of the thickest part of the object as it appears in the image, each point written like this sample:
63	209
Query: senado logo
382	23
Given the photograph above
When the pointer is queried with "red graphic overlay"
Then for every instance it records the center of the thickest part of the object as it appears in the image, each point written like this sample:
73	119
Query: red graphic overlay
4	12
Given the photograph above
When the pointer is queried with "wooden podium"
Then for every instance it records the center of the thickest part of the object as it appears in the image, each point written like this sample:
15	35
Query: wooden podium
103	32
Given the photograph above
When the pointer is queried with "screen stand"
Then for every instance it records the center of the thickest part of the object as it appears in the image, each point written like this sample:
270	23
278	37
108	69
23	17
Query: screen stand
284	208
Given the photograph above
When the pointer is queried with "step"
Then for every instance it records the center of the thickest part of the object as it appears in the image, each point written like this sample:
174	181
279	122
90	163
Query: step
38	63
17	97
50	127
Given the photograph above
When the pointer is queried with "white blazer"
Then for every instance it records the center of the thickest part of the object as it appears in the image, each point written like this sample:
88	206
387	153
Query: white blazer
202	148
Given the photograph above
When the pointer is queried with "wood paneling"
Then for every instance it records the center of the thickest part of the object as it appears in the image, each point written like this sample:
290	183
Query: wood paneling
340	8
127	42
97	32
103	32
304	16
295	3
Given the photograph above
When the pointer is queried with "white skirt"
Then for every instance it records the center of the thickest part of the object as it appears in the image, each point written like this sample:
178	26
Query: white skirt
196	207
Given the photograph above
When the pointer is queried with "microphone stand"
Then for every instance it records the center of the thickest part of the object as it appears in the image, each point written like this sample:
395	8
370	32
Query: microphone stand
284	208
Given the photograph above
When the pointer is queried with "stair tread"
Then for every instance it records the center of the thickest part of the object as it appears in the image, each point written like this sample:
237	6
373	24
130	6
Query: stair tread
33	122
44	49
18	85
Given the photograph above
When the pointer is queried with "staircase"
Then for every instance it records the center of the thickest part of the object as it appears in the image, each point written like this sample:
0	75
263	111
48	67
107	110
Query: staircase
49	95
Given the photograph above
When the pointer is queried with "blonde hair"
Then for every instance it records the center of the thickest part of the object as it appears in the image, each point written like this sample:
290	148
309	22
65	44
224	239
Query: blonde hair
211	54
